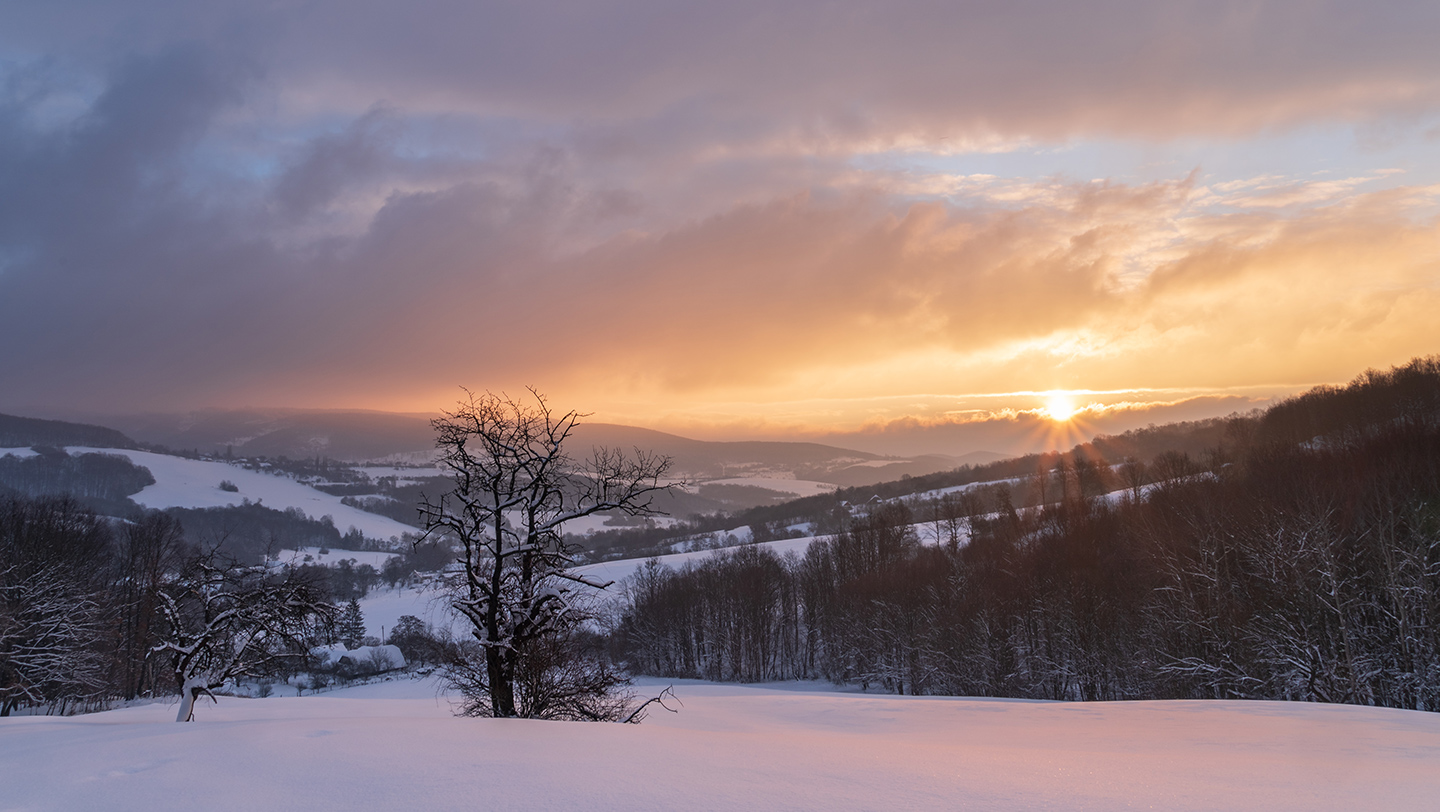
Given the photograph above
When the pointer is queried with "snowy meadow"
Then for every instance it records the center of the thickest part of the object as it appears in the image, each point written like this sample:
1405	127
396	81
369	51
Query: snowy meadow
795	746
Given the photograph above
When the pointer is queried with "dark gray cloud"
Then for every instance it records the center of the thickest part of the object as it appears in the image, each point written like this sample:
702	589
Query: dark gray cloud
819	68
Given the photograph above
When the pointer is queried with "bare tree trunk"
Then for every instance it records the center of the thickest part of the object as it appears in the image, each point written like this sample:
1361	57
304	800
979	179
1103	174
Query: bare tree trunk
502	682
194	686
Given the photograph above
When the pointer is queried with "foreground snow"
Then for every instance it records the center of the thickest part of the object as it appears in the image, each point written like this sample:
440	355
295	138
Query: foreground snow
395	745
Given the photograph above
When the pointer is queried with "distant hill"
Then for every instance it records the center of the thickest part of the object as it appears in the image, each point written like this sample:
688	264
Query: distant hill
350	436
712	460
817	462
23	432
360	436
981	458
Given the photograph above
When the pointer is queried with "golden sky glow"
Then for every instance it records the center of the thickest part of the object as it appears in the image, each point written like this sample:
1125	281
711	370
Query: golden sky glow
902	229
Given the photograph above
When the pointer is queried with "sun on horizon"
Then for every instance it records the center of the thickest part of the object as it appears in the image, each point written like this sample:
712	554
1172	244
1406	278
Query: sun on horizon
1059	407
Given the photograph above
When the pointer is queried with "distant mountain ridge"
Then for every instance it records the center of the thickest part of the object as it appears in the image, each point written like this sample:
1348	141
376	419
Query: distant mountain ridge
346	435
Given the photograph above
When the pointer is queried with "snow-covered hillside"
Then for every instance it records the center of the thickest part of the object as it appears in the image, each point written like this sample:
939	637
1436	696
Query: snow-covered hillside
621	569
181	482
383	608
396	745
788	487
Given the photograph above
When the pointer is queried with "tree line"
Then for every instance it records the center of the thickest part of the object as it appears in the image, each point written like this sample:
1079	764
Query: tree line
23	432
102	481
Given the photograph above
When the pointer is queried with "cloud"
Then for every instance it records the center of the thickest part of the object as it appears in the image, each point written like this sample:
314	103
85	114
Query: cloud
634	203
809	74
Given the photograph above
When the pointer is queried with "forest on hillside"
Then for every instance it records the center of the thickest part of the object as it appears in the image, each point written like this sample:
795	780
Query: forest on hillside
1297	558
103	482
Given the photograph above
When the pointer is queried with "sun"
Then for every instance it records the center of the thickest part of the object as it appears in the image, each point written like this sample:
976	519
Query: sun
1059	421
1060	408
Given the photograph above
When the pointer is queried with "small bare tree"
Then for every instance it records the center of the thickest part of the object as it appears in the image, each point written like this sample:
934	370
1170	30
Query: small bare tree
227	621
1133	473
948	517
379	660
514	489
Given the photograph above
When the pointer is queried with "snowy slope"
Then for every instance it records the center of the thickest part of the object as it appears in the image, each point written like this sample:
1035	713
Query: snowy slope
793	487
623	568
936	493
395	745
404	476
181	482
383	607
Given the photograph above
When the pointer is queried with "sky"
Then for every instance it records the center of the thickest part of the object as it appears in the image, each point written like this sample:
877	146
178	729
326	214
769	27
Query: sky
815	218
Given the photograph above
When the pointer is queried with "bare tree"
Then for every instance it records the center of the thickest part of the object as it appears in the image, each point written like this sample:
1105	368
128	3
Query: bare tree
378	660
514	489
948	517
226	621
1132	473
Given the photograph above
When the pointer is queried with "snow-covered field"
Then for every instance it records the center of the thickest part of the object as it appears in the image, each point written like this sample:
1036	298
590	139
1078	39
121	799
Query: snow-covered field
794	487
396	745
595	523
331	557
186	483
403	476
